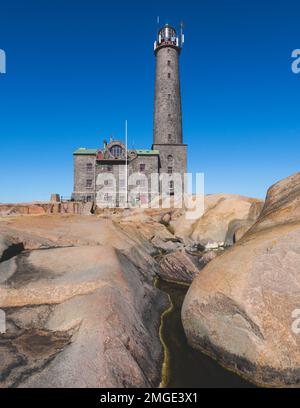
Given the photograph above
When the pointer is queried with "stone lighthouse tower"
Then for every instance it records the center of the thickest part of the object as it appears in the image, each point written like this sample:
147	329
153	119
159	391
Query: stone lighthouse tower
168	138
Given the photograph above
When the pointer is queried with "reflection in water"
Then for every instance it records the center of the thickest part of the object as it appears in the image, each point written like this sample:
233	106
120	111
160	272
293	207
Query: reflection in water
187	367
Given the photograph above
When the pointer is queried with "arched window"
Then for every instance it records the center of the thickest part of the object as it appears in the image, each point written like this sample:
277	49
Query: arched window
116	151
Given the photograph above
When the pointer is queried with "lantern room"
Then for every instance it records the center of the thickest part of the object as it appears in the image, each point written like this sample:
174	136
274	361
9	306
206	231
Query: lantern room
167	37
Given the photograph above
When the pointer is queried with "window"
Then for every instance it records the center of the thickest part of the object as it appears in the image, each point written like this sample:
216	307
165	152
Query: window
169	63
171	188
89	183
142	167
89	198
170	170
169	96
169	115
107	197
169	137
170	158
140	183
109	168
89	167
122	183
169	75
116	151
108	182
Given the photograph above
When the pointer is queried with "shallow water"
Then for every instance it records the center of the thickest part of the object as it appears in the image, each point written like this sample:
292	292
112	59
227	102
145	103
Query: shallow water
187	367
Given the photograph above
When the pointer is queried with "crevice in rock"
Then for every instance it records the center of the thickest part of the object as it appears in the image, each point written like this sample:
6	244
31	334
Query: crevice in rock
12	251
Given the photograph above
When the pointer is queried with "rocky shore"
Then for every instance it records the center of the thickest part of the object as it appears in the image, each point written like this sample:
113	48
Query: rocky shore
82	310
242	307
80	305
78	292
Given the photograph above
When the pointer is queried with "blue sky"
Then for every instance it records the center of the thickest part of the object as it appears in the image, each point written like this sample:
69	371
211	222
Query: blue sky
77	69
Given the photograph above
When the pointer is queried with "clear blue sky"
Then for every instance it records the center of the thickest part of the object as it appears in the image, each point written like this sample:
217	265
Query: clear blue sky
77	69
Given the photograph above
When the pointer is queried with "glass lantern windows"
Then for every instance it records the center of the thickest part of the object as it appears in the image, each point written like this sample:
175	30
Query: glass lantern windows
168	34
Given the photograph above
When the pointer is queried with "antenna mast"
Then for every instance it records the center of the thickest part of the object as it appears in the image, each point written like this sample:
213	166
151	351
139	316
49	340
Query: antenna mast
181	33
155	42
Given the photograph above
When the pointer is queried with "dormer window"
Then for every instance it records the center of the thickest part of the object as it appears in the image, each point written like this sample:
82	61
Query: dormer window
116	151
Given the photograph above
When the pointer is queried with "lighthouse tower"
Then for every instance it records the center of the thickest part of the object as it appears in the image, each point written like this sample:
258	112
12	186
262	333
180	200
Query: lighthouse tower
168	138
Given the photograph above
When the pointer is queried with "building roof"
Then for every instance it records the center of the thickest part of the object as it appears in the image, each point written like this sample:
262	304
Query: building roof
83	150
140	152
147	152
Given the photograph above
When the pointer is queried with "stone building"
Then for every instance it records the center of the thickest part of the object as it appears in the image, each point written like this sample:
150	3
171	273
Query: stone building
113	175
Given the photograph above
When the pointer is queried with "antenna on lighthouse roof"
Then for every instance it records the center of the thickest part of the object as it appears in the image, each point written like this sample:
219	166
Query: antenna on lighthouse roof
181	33
157	33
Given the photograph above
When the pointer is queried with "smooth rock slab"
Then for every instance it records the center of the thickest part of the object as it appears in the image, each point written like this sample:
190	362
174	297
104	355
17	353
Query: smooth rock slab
86	315
241	307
